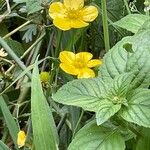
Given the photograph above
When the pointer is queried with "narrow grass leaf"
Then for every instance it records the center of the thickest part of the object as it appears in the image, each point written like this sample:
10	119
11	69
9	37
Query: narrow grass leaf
10	122
3	146
44	130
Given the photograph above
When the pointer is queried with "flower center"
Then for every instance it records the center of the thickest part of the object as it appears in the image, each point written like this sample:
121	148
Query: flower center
79	64
72	14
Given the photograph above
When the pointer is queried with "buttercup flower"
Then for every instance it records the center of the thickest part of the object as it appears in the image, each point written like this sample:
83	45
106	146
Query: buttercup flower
2	53
78	64
21	139
72	14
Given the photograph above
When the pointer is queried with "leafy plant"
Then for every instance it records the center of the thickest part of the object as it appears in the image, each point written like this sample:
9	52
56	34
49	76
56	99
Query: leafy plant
74	75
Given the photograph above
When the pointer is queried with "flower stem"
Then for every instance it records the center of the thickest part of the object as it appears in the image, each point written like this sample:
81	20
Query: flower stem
58	46
17	29
33	45
14	56
105	24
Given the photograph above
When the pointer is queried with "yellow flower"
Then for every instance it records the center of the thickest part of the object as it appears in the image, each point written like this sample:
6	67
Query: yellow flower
72	14
44	76
21	139
2	53
78	64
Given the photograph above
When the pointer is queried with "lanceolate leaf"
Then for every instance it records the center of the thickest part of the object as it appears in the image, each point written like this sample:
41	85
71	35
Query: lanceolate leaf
10	122
93	137
44	130
138	108
132	22
3	146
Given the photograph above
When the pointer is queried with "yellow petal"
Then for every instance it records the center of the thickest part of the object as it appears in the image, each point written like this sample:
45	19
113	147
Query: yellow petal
62	23
94	63
57	9
76	23
21	139
86	73
83	57
67	57
70	69
89	13
74	4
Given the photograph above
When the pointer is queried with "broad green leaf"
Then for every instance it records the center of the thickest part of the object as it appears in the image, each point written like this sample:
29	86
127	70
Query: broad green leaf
118	60
85	93
10	122
93	137
114	98
132	22
144	141
106	109
44	130
138	108
3	146
33	6
101	96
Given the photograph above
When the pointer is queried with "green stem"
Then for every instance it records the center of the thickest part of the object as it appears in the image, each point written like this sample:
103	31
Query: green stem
33	45
17	29
127	6
14	56
105	24
58	46
77	125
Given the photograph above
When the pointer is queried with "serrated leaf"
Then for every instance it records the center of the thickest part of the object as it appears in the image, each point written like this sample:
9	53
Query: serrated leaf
93	137
132	22
118	60
85	93
3	146
106	109
104	97
138	108
44	130
10	122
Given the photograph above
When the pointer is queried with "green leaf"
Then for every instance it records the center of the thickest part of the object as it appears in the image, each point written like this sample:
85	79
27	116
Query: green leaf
85	93
138	108
118	60
144	141
44	130
101	96
33	6
3	146
93	137
30	31
132	22
16	46
10	122
106	109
